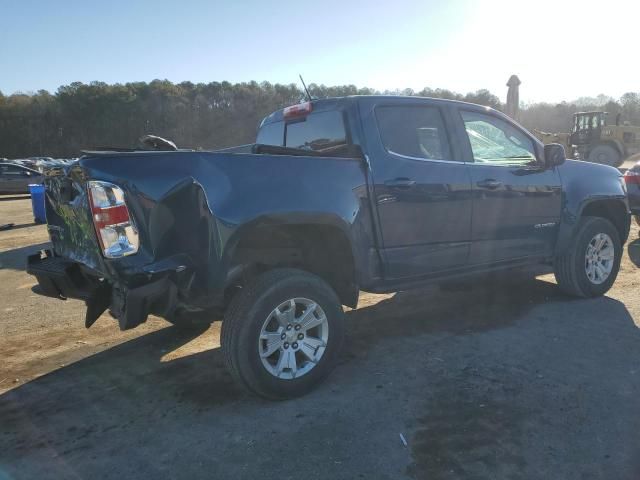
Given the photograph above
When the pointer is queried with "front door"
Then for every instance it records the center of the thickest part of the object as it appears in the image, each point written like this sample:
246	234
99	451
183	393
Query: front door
422	188
516	200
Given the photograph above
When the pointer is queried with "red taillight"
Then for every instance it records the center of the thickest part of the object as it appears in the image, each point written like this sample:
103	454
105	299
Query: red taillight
632	177
300	110
116	233
103	217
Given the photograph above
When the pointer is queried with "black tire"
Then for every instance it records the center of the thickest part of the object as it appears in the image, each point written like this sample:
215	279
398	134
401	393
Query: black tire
246	315
570	270
605	155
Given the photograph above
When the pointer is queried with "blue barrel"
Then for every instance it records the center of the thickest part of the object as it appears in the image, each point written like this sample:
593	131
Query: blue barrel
37	202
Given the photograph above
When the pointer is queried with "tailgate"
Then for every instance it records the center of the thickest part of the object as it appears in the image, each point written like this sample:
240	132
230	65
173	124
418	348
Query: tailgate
69	217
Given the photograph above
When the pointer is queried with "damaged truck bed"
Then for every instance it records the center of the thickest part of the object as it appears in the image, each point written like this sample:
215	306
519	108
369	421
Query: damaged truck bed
186	249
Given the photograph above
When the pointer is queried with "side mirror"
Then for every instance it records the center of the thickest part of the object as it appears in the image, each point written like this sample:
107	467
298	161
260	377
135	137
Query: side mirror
554	155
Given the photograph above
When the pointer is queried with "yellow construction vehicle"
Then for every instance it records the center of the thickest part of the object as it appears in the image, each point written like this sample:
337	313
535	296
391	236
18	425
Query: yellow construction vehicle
561	138
591	139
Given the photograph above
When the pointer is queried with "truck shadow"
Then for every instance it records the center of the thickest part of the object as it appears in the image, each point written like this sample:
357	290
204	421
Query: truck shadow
477	305
64	422
19	226
16	259
429	311
633	249
9	197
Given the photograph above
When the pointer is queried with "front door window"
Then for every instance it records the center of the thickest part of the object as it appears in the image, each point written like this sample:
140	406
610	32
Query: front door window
494	141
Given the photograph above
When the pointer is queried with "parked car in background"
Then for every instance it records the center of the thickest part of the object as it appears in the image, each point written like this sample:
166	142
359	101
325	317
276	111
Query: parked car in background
16	178
39	164
25	162
48	162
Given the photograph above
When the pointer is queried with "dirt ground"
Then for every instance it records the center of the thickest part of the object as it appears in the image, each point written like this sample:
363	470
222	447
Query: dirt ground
508	380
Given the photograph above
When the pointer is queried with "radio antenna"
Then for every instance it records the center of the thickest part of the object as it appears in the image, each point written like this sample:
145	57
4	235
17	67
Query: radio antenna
305	88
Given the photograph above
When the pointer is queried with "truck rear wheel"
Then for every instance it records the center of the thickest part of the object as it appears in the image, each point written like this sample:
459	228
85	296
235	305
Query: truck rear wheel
605	155
282	333
590	266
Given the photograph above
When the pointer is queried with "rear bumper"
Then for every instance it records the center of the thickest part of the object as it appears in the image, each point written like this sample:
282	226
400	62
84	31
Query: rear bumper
62	279
57	277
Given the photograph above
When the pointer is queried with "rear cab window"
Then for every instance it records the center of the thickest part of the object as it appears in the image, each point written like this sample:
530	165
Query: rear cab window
318	131
323	131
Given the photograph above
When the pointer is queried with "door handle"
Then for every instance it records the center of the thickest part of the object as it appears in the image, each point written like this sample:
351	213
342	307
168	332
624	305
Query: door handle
490	183
400	182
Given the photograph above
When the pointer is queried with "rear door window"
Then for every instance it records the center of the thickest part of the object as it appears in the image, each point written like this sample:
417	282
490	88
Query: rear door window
413	131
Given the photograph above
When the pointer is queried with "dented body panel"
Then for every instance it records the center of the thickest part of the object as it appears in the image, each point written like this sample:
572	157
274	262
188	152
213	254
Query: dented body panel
187	210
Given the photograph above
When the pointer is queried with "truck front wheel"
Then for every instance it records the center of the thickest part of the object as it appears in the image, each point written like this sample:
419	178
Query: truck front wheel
282	333
590	266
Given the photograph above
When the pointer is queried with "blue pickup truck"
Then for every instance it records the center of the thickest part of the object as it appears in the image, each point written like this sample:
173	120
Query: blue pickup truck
337	196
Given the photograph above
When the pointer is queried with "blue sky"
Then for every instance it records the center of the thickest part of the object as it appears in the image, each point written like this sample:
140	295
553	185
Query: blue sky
462	45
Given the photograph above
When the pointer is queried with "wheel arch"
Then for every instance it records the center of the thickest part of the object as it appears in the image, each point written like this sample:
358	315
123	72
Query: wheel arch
613	209
319	244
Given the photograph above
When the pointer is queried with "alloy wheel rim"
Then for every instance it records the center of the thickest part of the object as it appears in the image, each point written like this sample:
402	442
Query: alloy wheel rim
599	258
293	338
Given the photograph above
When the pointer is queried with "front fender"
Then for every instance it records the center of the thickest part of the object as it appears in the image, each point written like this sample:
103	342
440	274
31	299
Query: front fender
583	184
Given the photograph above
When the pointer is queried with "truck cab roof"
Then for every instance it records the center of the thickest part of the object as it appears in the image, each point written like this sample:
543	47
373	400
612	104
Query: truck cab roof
334	103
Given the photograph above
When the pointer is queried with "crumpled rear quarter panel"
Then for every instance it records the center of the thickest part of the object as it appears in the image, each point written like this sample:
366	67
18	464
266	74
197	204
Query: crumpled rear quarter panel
69	217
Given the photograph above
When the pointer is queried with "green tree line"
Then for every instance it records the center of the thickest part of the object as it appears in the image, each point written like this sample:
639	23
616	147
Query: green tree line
208	116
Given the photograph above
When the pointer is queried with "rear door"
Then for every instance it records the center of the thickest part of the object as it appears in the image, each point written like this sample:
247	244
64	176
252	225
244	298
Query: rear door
421	184
516	200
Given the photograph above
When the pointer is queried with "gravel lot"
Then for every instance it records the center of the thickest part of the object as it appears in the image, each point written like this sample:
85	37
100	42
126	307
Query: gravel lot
508	379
